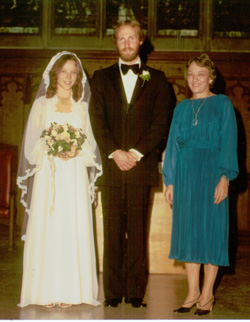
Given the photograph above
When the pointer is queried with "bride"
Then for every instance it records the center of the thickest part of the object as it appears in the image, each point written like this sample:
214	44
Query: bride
59	265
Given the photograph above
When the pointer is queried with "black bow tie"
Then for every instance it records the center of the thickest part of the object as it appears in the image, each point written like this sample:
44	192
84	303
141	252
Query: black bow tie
125	68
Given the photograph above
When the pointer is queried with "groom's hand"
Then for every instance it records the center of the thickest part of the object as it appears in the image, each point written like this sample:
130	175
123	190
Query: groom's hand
124	160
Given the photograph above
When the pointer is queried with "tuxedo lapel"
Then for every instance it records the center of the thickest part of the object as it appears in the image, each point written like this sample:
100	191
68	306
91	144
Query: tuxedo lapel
116	80
139	87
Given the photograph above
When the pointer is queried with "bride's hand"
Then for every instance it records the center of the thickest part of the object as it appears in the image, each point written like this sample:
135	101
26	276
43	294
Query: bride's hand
66	157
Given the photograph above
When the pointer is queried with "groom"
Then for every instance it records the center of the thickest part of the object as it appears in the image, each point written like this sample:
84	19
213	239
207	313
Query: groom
130	112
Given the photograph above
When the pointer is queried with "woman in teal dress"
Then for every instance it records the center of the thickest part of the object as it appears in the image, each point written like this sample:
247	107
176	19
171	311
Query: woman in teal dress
200	160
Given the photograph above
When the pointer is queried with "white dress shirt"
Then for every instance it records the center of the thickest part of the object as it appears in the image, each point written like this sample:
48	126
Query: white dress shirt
129	81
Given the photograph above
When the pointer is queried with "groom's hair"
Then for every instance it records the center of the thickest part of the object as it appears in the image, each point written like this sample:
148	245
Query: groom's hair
132	23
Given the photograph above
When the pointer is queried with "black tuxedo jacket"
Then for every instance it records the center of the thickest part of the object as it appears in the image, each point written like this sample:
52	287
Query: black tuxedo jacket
140	125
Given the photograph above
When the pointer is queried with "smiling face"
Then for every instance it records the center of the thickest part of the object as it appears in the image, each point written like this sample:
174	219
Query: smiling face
67	75
128	43
198	80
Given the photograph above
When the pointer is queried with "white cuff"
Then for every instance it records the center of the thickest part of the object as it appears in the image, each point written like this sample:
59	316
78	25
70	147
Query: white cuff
138	153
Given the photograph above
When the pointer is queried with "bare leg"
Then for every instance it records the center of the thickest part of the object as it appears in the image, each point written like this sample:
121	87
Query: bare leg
206	299
193	277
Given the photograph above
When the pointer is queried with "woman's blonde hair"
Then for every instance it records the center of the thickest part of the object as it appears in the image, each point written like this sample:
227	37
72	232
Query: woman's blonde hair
203	61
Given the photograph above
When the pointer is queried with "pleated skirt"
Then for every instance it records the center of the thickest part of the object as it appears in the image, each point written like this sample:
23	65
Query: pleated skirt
200	228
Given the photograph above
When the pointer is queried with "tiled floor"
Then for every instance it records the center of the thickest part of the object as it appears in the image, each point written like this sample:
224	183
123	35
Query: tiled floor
164	293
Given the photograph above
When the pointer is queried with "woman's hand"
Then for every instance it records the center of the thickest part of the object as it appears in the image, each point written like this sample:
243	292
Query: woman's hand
221	191
169	194
66	157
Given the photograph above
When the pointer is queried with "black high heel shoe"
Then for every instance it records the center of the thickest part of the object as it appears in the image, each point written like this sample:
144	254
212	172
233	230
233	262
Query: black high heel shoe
184	309
200	311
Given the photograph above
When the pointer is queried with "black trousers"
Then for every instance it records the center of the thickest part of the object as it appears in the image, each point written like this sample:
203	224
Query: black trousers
125	262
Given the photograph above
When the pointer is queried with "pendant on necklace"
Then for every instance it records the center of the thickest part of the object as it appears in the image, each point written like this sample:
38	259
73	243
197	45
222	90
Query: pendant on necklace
195	122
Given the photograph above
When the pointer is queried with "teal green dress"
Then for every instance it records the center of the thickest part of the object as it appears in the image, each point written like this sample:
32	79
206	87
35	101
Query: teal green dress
196	158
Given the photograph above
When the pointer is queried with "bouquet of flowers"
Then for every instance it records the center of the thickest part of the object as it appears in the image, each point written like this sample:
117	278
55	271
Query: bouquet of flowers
63	140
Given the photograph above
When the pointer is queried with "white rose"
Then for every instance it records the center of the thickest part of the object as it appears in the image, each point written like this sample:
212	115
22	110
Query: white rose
64	136
65	127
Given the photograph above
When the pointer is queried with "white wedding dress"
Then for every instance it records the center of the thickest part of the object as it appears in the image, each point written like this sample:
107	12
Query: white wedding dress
59	254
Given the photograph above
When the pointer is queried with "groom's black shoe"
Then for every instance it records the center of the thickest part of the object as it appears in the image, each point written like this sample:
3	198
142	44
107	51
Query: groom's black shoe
112	302
137	302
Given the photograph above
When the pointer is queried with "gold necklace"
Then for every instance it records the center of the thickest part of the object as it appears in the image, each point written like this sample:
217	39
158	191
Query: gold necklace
195	120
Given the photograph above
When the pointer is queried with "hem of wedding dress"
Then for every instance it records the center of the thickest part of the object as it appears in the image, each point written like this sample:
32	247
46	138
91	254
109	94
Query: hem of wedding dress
94	303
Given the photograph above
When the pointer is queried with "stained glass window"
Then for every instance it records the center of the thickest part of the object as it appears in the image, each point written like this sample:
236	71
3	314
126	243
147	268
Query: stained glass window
118	10
232	18
178	17
75	16
20	16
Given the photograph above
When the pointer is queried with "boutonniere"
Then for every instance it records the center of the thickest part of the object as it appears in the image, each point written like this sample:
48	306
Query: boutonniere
145	76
